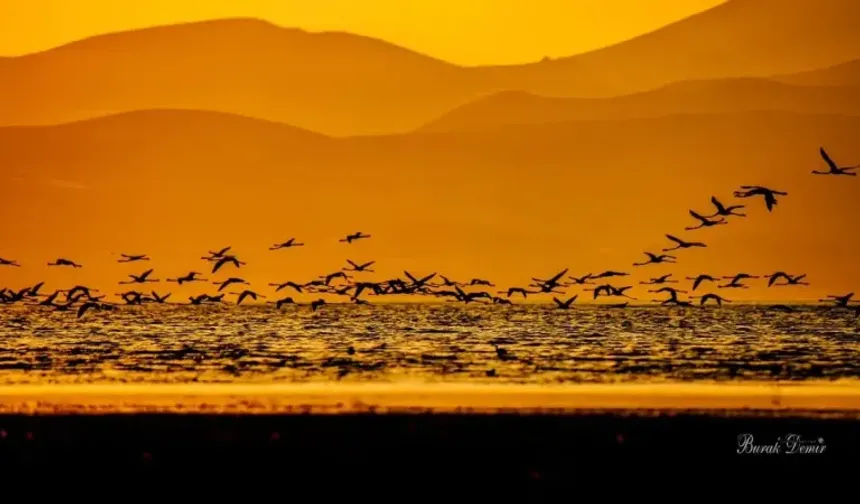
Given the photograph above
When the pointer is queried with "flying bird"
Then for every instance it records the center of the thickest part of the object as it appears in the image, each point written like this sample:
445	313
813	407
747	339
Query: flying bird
564	305
659	280
768	194
281	302
724	211
230	281
287	244
704	221
681	244
229	259
841	301
282	286
214	256
608	274
790	280
701	278
9	262
353	237
657	259
65	262
711	297
142	278
133	258
360	267
834	169
247	294
190	277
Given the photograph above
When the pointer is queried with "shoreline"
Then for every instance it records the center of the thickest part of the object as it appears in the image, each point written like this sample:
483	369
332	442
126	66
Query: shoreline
821	398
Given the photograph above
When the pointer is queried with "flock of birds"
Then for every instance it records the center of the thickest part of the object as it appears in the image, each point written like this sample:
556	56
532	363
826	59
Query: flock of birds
83	299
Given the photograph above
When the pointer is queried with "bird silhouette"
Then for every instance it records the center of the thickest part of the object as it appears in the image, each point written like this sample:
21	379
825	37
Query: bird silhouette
659	280
789	279
583	280
190	277
92	305
711	297
142	278
704	221
564	305
656	259
360	267
353	237
609	274
65	262
287	244
736	281
214	256
9	262
768	194
552	281
159	299
126	258
724	211
281	302
681	244
478	281
418	283
282	286
247	294
701	278
230	281
673	294
229	259
841	301
834	168
517	290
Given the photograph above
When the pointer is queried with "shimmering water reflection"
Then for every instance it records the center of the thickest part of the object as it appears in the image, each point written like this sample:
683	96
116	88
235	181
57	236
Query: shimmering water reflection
429	343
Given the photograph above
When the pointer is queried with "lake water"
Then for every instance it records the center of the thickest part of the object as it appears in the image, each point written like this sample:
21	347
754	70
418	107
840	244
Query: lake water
521	344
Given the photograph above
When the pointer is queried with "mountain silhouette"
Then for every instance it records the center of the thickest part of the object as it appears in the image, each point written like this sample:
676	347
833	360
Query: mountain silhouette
690	97
341	84
468	204
844	74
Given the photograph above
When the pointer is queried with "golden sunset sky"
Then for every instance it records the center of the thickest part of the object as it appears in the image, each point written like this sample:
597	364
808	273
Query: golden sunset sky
172	158
469	32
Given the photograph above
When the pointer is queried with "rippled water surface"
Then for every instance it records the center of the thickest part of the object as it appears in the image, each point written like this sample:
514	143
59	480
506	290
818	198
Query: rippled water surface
515	344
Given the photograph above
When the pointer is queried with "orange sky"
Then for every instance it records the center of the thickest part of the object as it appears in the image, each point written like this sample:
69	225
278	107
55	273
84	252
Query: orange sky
505	204
466	32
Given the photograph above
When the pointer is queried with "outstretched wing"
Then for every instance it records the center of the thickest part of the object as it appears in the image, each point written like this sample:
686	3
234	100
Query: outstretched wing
719	206
674	239
827	159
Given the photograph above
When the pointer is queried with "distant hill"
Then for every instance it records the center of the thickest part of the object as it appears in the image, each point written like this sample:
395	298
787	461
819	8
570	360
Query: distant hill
845	74
328	82
341	84
691	97
505	204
